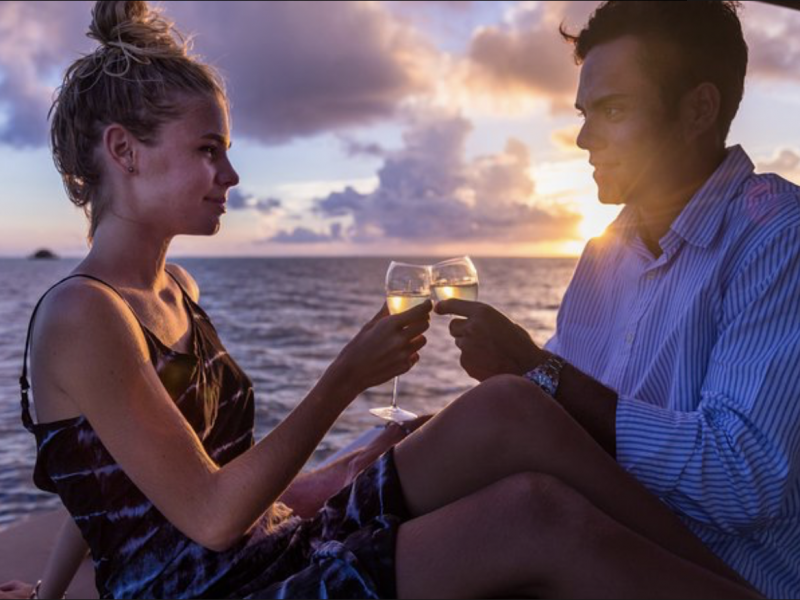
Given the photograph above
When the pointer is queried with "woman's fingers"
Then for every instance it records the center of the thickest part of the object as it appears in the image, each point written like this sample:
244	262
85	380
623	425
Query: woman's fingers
382	313
418	313
415	329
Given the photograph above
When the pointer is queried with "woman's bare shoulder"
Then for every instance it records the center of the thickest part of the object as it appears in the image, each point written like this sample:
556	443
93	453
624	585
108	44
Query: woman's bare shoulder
186	280
80	313
82	330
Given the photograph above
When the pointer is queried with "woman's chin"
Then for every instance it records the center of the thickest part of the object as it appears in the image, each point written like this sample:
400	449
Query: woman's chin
207	229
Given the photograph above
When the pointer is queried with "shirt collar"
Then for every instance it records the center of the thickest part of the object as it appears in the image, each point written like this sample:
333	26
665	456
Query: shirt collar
703	217
700	222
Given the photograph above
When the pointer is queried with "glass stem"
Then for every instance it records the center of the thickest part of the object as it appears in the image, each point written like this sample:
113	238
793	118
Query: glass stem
394	393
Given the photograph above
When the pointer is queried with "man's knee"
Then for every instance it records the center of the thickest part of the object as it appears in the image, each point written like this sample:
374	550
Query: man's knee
543	505
508	404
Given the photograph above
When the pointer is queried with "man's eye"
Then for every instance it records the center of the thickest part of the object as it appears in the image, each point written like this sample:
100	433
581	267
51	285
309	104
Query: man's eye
613	112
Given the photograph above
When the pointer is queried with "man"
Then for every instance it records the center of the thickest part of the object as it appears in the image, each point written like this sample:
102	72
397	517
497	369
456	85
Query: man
678	341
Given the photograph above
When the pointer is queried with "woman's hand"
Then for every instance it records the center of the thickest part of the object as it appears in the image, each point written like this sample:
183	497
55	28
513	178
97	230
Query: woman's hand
386	347
392	434
15	589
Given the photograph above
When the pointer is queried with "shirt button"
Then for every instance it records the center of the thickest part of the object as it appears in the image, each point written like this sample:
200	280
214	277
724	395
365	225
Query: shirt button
629	338
651	276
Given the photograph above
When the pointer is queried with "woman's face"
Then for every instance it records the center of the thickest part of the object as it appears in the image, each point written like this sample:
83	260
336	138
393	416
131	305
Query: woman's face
182	181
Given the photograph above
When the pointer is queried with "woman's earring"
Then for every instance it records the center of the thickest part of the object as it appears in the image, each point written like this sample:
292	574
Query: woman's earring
131	169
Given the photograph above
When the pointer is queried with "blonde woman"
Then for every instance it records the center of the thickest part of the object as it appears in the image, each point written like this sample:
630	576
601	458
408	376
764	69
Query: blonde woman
144	423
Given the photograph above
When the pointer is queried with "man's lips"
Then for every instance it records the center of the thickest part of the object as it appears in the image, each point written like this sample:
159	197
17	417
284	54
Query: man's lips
602	169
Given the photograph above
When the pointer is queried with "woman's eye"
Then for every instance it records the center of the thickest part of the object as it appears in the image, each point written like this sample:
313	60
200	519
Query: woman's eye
210	150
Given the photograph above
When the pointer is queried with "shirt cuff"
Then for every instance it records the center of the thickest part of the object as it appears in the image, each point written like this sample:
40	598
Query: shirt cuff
655	444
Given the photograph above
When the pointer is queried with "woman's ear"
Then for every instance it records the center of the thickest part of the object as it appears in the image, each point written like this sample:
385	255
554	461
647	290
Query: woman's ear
119	146
700	108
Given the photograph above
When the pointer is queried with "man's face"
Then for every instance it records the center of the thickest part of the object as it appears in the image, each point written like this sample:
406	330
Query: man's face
632	144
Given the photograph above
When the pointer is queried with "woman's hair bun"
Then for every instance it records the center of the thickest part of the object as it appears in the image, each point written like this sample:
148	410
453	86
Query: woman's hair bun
134	27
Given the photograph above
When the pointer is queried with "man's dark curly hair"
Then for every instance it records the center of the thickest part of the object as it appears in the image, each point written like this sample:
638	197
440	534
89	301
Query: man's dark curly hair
686	43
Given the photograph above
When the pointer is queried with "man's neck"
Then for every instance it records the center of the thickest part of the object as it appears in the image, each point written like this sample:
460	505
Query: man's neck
657	216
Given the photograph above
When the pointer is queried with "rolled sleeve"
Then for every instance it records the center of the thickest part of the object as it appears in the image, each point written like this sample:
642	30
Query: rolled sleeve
655	444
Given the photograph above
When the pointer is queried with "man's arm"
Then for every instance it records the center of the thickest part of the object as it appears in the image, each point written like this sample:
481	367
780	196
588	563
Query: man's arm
491	344
730	462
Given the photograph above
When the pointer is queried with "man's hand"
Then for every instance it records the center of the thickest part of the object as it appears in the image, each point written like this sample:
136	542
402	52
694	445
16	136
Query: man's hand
490	343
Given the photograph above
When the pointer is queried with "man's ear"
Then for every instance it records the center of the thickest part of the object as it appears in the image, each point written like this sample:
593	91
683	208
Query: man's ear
119	146
700	109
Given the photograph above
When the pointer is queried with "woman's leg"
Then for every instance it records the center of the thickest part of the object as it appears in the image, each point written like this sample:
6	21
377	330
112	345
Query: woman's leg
507	426
532	536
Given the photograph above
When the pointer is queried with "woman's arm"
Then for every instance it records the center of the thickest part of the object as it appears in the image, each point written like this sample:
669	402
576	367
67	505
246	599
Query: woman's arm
69	552
94	350
309	491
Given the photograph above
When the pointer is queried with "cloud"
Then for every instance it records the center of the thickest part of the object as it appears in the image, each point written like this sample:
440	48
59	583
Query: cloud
773	35
526	54
785	162
36	41
303	235
301	68
293	68
238	200
566	139
429	192
353	148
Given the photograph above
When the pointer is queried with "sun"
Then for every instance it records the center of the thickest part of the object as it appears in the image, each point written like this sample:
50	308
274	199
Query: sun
596	218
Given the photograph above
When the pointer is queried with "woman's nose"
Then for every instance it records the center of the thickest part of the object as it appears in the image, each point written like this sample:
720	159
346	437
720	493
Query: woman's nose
228	175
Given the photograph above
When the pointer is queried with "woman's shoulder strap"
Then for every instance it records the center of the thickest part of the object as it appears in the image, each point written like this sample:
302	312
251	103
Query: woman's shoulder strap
24	385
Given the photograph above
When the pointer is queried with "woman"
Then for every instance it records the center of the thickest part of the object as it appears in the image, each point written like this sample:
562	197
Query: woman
145	423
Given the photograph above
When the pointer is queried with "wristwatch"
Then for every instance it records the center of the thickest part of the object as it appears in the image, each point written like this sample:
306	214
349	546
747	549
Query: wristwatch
547	374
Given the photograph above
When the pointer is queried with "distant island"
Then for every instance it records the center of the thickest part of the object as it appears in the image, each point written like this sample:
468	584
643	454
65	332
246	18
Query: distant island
43	254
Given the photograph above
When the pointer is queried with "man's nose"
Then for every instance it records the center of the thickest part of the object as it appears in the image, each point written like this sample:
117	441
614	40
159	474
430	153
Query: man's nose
588	137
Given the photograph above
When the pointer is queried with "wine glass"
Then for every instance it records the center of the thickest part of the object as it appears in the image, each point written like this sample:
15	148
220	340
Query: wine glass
407	286
454	278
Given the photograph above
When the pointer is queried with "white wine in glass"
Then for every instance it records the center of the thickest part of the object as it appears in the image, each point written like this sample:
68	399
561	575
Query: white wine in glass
454	278
407	286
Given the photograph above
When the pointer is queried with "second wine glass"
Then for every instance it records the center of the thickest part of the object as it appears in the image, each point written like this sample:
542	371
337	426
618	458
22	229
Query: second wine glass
407	286
454	278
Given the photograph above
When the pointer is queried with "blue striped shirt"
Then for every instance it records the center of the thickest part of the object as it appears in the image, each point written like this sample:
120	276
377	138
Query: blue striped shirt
702	344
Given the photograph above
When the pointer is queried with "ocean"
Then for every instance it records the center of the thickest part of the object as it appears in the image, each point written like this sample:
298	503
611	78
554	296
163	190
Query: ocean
283	320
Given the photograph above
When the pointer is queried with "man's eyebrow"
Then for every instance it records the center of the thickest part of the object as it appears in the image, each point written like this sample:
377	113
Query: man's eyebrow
218	138
602	100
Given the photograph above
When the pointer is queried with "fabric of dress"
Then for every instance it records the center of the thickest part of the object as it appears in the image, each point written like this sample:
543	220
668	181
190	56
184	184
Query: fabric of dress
345	551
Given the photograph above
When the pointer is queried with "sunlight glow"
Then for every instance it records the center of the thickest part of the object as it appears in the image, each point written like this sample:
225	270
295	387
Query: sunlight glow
596	218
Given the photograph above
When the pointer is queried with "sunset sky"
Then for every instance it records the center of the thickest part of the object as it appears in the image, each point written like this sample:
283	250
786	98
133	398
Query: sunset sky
366	128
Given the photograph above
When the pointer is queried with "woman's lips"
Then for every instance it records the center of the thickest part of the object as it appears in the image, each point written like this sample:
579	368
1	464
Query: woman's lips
220	204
